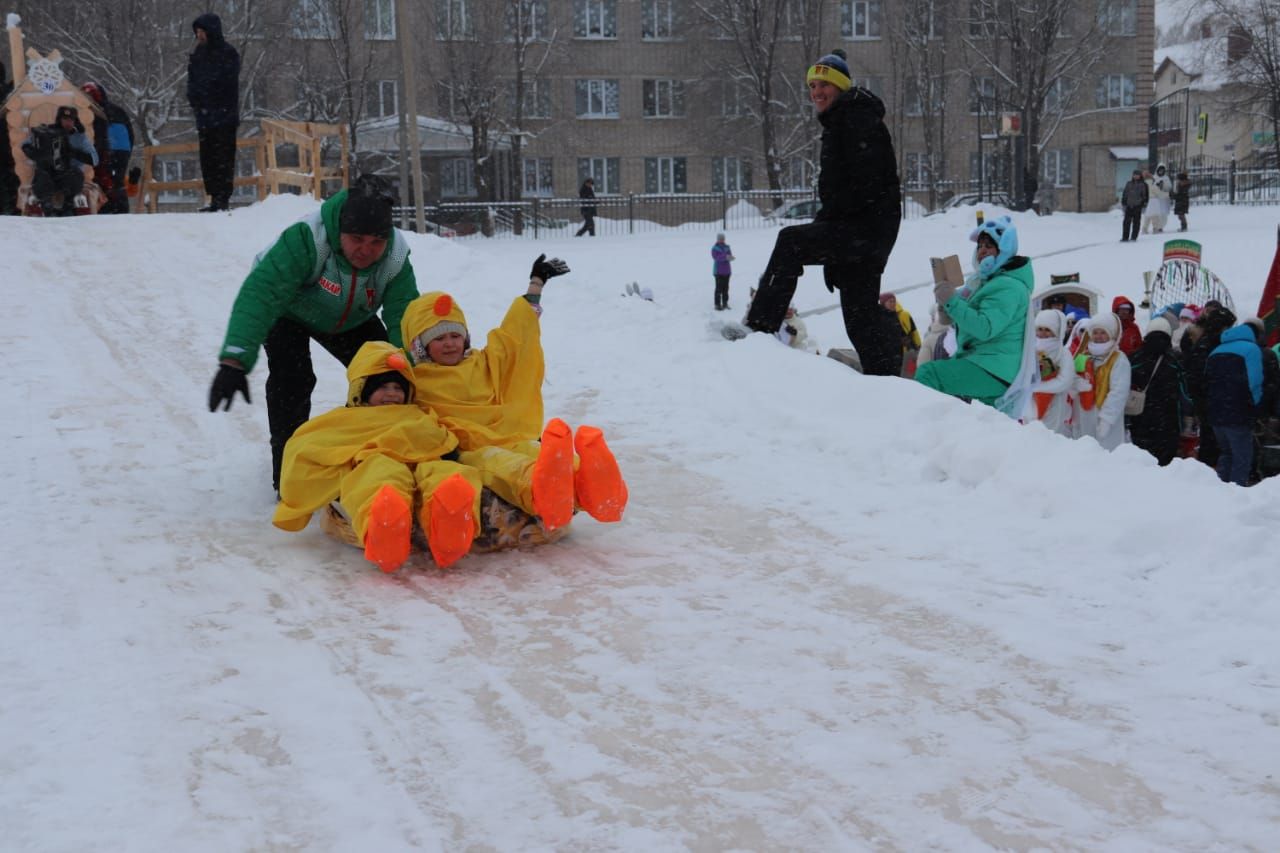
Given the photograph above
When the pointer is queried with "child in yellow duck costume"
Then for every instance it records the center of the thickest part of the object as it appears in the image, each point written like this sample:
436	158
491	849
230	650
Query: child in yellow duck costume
382	455
491	399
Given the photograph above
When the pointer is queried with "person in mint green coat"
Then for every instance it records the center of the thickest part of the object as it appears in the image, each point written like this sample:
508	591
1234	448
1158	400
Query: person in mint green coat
991	317
325	279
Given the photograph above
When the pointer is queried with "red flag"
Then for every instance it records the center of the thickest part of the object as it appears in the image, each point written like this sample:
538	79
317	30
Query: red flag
1269	307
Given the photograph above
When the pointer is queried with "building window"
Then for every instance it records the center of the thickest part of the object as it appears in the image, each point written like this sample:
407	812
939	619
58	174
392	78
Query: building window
313	19
457	179
1055	99
982	18
795	174
177	170
595	98
453	20
595	19
538	177
664	175
604	172
735	99
537	99
379	19
663	98
1115	91
527	21
991	163
860	19
914	100
874	85
921	21
657	19
381	99
450	101
730	174
982	95
917	173
1056	167
1118	17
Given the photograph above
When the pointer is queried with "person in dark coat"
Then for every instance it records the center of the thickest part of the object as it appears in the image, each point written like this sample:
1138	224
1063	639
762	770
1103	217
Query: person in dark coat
1157	371
1233	374
213	90
8	177
854	231
58	151
1182	199
113	139
1213	321
587	191
1134	201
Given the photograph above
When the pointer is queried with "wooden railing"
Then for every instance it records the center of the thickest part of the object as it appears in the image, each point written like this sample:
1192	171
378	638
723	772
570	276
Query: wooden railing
309	176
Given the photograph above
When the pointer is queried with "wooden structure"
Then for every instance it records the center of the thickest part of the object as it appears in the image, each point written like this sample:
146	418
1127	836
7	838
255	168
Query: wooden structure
39	89
309	176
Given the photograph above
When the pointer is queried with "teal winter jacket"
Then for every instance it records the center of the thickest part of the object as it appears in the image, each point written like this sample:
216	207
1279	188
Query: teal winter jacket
991	324
305	278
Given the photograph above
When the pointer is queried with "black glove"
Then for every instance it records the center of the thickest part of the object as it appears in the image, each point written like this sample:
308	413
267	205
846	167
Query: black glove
225	385
548	269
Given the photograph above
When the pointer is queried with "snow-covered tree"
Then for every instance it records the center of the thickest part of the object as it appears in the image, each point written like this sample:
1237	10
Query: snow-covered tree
1252	61
1032	56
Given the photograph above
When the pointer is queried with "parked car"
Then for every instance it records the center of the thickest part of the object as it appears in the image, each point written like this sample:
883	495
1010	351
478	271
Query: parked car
995	199
799	211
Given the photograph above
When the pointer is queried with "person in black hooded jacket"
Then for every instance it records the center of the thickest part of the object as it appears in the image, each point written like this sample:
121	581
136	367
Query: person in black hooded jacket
854	231
213	90
1157	371
1213	321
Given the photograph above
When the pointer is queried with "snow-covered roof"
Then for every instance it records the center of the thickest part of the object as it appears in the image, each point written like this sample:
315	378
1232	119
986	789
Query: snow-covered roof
434	135
1129	152
1204	61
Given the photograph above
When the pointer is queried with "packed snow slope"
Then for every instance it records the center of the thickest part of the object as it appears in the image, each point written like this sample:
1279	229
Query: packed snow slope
842	613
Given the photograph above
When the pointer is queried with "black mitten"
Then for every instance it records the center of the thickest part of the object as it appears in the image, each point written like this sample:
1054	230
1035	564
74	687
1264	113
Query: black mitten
548	269
226	383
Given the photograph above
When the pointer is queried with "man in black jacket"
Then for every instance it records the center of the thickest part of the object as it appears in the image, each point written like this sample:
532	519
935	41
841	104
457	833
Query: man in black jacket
1134	201
587	193
854	232
213	90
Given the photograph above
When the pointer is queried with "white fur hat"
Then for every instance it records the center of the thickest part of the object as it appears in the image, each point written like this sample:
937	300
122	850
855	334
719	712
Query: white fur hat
1160	324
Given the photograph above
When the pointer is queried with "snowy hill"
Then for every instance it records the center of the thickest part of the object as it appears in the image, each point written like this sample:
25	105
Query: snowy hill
842	613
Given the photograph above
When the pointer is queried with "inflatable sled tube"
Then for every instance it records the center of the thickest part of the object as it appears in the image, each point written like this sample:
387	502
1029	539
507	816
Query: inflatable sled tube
502	528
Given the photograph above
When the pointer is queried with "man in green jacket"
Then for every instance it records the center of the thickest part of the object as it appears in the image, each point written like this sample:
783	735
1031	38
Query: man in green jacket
325	279
990	315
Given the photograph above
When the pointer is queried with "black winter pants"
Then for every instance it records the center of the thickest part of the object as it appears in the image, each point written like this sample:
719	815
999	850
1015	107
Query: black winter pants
852	264
1132	222
722	292
218	162
588	225
44	183
291	379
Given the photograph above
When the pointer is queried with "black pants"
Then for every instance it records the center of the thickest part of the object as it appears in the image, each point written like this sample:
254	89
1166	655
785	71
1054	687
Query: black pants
588	225
1132	222
851	263
291	379
218	162
722	292
45	182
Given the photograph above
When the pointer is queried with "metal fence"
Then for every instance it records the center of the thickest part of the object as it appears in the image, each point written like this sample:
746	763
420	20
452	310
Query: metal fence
614	214
642	213
1234	182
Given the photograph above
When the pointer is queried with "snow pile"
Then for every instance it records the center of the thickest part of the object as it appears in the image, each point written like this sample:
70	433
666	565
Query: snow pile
841	613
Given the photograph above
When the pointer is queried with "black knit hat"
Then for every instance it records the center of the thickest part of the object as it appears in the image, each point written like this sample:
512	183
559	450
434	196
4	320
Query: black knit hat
373	383
367	209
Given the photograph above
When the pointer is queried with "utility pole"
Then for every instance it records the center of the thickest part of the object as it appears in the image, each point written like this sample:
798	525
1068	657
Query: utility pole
404	36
